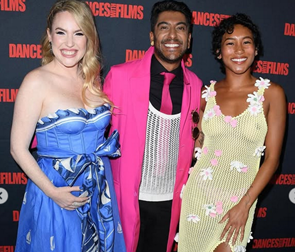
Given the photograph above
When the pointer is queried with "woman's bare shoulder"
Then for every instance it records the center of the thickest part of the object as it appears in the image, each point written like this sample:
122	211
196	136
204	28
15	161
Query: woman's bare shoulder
274	90
37	79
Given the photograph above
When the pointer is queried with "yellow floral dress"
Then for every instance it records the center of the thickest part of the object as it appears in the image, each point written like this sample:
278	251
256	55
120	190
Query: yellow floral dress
226	168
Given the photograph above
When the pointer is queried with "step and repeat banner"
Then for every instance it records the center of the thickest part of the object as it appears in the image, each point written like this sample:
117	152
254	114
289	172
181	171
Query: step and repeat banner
124	27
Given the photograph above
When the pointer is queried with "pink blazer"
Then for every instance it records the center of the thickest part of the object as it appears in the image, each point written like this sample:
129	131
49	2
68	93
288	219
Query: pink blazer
127	85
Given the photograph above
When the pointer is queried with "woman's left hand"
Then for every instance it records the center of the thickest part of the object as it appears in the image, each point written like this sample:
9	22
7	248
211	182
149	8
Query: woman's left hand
236	220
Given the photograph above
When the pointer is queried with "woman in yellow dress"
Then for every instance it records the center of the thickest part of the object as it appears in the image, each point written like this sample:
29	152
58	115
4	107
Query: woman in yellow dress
242	119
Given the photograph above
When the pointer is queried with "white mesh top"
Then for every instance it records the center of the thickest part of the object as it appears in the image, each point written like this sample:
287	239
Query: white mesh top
160	156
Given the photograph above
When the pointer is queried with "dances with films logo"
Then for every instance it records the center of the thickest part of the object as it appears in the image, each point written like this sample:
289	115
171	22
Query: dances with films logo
12	5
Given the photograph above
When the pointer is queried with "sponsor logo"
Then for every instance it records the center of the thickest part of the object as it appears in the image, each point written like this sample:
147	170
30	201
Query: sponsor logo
115	10
8	95
12	5
134	54
15	215
291	108
283	179
274	243
289	29
207	19
188	60
269	67
138	54
6	248
25	51
13	178
261	212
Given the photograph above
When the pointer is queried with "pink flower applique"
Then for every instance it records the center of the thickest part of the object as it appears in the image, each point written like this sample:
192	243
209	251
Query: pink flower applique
255	109
239	166
214	161
198	153
212	215
234	198
255	98
205	150
218	153
206	94
262	83
259	151
250	237
219	208
210	210
244	169
217	110
212	93
209	114
207	173
231	121
193	218
240	248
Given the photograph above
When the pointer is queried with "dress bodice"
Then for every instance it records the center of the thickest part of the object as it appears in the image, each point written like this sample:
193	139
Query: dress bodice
72	131
240	135
234	142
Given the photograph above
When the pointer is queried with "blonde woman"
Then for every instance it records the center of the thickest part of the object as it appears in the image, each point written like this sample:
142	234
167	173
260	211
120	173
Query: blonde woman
69	203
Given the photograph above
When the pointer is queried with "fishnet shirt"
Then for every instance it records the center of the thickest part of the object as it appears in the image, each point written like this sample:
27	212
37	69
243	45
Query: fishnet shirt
160	156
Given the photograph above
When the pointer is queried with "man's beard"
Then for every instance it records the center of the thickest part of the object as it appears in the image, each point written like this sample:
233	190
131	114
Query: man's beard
164	58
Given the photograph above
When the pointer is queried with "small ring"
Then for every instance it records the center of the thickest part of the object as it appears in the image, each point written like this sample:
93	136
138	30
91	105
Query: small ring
75	204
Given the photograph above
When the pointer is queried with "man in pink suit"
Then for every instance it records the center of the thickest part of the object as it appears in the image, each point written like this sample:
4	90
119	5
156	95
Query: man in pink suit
156	144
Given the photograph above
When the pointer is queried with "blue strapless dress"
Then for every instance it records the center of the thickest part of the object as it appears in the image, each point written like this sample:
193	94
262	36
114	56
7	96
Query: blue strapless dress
72	151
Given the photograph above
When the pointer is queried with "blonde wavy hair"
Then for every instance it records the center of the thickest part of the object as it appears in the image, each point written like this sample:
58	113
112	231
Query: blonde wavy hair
90	65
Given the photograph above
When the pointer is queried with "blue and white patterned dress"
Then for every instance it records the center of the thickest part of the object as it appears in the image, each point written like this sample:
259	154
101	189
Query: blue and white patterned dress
72	151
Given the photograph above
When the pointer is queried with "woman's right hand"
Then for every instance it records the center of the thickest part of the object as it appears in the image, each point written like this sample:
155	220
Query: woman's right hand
65	199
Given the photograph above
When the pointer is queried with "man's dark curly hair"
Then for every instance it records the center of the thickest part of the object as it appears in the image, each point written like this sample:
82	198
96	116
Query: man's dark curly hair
167	5
227	26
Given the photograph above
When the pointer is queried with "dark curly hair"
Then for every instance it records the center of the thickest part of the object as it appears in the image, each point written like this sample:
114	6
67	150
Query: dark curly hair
228	26
167	5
